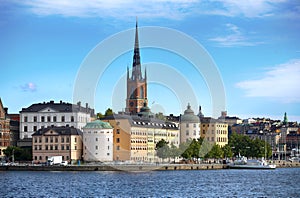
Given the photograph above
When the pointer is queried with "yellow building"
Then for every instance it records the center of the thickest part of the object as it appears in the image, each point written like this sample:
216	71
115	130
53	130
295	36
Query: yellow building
57	141
135	137
214	131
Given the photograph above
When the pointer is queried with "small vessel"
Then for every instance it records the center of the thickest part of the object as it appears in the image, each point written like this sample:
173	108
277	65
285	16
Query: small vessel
242	163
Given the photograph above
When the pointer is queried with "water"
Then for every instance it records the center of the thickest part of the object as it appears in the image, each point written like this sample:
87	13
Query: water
282	182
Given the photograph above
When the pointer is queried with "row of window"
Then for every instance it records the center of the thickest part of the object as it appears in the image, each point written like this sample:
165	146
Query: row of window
48	119
53	147
108	154
96	139
217	125
52	139
139	141
138	148
219	139
34	128
98	132
158	133
96	147
194	133
188	125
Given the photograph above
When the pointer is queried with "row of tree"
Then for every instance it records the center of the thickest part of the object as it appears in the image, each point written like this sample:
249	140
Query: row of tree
201	148
13	153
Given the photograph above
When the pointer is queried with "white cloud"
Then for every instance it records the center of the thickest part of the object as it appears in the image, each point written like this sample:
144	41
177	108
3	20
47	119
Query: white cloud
28	87
251	8
281	83
234	38
174	9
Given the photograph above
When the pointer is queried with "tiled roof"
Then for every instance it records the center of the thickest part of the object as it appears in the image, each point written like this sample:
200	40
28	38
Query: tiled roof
60	107
60	130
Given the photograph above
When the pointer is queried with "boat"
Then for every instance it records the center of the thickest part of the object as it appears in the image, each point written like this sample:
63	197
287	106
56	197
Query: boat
242	163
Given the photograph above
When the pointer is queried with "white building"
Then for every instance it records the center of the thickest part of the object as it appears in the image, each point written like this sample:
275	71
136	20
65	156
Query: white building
189	125
42	115
98	141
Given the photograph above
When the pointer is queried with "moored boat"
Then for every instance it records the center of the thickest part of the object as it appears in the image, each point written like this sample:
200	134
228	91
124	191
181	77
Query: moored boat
243	163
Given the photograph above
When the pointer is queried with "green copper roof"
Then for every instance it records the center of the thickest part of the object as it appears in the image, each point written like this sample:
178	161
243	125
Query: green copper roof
189	116
98	124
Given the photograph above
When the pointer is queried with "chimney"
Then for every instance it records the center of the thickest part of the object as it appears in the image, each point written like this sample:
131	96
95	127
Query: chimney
5	110
79	105
51	102
60	102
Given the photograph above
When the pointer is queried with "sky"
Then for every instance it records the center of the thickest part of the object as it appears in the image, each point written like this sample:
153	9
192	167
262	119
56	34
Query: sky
254	45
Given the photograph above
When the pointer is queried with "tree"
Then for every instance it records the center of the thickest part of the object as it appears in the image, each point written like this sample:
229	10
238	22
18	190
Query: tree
205	148
14	153
215	152
109	112
227	152
174	151
243	145
100	116
162	149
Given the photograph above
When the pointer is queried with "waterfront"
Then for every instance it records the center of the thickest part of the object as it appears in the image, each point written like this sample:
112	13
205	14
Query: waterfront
281	182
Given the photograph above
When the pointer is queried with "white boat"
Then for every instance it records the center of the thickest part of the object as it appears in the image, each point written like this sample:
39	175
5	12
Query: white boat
243	163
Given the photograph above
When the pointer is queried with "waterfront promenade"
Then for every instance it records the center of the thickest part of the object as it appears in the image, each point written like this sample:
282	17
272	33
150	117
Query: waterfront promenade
134	167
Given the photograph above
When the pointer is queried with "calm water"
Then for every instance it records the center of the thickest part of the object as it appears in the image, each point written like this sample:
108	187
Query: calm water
282	182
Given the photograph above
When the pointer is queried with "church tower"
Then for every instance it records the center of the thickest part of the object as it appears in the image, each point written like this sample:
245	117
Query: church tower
136	84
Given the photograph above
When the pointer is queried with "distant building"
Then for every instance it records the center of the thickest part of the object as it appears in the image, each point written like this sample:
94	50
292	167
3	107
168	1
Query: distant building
97	141
43	115
135	137
230	120
4	129
189	125
214	131
14	124
57	141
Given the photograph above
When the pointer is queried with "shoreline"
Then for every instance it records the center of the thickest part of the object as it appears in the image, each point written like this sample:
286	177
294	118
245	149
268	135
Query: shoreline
134	167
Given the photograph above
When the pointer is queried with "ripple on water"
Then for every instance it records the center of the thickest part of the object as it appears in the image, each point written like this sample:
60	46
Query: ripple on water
213	183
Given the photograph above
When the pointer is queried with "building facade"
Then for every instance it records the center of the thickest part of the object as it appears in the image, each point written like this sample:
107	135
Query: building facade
4	129
135	137
214	131
136	83
57	141
43	115
97	141
189	125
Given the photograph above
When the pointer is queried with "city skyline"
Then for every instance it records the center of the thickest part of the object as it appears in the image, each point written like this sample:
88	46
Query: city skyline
254	46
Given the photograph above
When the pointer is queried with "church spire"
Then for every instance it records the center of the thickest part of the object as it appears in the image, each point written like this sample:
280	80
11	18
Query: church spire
285	119
136	64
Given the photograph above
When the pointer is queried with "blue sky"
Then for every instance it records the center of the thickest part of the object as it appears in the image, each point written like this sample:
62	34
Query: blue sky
254	44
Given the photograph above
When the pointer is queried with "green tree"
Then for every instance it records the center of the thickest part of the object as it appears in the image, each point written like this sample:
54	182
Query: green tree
19	154
174	151
191	149
215	152
242	144
162	149
109	112
100	116
206	146
227	152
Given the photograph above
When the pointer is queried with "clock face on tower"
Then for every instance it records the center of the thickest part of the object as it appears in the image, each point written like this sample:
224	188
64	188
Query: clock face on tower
131	104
